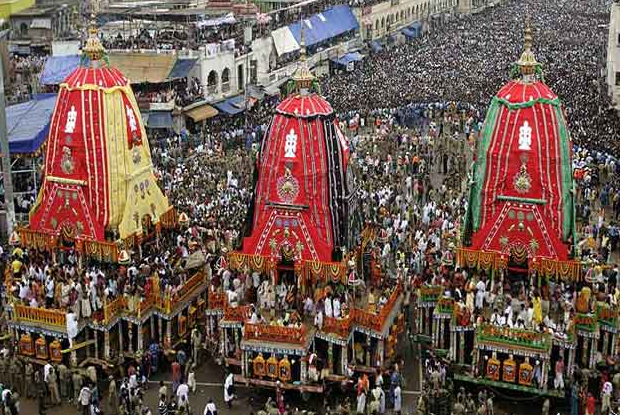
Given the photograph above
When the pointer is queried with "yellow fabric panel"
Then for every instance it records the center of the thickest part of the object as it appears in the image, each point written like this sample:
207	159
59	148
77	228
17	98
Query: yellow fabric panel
141	67
116	133
201	113
143	194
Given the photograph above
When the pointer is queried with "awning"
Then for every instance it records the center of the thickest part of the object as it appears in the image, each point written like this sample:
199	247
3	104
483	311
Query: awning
416	27
182	68
231	106
256	91
228	19
376	47
28	123
274	88
57	68
410	34
41	24
284	41
392	38
348	58
141	67
326	25
201	112
160	119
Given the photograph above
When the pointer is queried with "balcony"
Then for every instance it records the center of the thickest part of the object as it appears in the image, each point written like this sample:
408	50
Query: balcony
41	316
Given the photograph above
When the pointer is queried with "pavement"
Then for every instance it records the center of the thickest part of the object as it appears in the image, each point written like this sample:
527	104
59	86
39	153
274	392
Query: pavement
210	379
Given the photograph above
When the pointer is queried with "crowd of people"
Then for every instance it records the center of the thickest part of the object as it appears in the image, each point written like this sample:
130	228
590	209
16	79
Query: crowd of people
411	131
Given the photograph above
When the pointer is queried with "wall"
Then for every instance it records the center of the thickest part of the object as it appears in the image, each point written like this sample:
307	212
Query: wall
613	55
387	17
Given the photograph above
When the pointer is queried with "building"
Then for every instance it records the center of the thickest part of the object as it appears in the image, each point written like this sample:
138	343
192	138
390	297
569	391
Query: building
613	54
37	26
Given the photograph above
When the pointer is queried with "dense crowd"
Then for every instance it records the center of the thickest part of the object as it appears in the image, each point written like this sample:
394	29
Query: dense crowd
411	127
479	50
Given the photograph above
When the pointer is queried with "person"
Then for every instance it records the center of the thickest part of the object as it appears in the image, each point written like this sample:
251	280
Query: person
112	397
84	399
52	385
229	390
606	397
590	404
191	378
558	382
210	409
397	400
183	393
163	390
162	406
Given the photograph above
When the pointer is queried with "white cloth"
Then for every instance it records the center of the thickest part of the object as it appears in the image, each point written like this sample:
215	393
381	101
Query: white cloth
210	409
183	390
397	399
229	382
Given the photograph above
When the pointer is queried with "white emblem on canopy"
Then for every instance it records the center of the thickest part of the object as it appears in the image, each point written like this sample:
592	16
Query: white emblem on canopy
290	145
525	137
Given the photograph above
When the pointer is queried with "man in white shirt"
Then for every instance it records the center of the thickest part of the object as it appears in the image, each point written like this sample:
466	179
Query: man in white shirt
336	304
210	409
183	393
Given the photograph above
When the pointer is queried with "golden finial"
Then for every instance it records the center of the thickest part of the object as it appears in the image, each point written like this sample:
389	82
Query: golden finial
303	77
93	49
527	62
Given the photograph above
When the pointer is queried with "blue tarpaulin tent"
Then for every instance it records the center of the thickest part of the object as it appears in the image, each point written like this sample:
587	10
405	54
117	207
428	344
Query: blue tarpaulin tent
348	58
182	68
57	68
28	123
375	45
416	27
160	119
410	34
326	25
231	106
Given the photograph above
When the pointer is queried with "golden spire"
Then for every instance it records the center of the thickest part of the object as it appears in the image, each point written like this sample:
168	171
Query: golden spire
93	49
303	77
527	62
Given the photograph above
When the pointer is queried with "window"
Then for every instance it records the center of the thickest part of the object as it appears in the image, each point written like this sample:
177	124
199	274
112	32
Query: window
212	82
253	71
240	83
617	78
23	29
226	80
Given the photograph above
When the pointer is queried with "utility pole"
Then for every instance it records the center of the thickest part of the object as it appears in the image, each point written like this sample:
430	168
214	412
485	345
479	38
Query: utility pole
9	203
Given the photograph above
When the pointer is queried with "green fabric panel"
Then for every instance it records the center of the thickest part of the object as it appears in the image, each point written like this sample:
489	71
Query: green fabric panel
480	168
519	105
567	177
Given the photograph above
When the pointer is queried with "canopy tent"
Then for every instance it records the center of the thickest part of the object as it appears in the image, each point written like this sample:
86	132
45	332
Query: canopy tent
140	67
326	25
41	24
274	88
409	34
375	45
231	106
57	68
348	58
28	123
284	41
256	91
160	119
182	68
201	112
227	19
416	27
